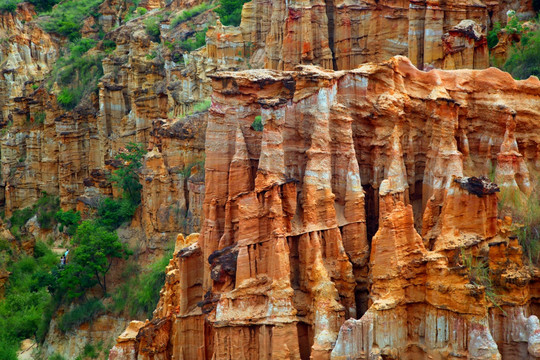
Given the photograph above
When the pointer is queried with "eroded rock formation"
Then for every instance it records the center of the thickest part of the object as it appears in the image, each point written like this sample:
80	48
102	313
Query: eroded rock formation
356	224
343	35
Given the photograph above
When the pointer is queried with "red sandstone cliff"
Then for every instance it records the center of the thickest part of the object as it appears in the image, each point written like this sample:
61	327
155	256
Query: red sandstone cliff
355	203
343	35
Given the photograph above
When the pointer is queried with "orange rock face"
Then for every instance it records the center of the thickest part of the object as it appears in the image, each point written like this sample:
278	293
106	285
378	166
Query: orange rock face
343	34
356	224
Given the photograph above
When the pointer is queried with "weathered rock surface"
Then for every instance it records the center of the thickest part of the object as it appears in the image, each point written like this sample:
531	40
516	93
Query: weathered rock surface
70	345
70	154
27	54
352	225
343	34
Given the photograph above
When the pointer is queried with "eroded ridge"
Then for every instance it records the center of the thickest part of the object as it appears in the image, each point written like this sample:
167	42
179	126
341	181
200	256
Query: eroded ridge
346	228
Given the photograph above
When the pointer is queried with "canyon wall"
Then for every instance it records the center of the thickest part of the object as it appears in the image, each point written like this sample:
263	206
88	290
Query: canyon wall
342	35
45	148
145	85
355	224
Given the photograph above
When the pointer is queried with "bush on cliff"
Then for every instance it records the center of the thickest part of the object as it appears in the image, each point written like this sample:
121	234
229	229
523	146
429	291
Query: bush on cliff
95	249
230	11
195	42
8	6
26	298
68	221
67	18
139	295
112	213
190	13
77	77
524	59
152	27
524	56
80	314
126	177
525	214
44	208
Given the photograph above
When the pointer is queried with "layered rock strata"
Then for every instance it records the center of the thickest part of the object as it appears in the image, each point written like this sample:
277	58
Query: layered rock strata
27	54
343	35
70	154
355	224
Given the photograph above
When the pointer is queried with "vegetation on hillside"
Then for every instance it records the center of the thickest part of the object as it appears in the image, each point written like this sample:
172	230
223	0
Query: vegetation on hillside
26	296
77	74
139	294
524	56
68	16
39	285
230	11
44	209
525	213
190	13
40	5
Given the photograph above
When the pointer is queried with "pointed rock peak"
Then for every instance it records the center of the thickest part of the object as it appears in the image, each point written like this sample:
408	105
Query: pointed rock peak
240	148
509	144
396	178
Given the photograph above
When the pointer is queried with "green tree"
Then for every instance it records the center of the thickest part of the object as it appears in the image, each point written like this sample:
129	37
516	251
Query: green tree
524	59
68	220
126	177
230	11
94	253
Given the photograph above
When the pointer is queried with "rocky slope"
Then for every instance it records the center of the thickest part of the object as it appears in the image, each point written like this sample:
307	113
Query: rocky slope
356	225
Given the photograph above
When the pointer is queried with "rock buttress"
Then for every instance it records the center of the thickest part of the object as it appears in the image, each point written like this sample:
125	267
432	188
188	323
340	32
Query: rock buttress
286	266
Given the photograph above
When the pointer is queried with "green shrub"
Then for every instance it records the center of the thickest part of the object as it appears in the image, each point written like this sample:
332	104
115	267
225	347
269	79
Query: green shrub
525	213
190	13
151	26
25	299
77	77
140	294
126	177
80	314
141	11
479	275
493	38
108	45
230	11
45	208
524	56
66	99
8	5
524	59
193	44
257	124
56	356
19	219
68	17
202	106
89	351
68	220
43	5
39	117
114	212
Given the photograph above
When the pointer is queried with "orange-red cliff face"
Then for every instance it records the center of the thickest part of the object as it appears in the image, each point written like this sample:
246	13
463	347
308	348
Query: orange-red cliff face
354	224
342	35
